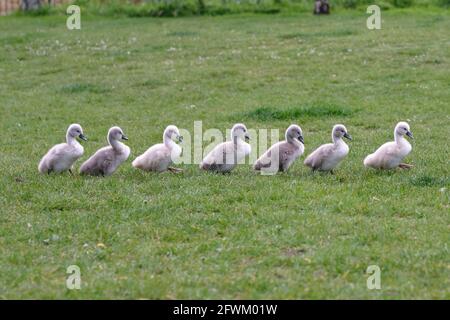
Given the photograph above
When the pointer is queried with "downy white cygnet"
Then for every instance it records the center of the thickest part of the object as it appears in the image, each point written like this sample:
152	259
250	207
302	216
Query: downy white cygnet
391	154
328	156
282	154
61	157
226	155
160	157
107	159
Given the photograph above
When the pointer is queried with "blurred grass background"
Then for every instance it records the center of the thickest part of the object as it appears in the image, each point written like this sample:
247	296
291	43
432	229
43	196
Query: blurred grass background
174	8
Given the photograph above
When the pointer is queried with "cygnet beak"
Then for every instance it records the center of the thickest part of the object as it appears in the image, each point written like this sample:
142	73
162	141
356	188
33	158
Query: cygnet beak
247	137
180	138
346	135
82	137
409	134
300	138
124	137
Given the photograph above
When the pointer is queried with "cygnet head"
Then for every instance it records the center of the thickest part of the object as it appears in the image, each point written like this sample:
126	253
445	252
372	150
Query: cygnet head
239	130
339	131
402	128
116	133
74	131
294	132
172	132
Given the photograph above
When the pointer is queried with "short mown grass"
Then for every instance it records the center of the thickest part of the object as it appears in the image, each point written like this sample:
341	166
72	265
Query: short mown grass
313	111
296	235
82	87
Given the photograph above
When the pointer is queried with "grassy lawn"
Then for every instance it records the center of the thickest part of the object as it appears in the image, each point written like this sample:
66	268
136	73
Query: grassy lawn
197	235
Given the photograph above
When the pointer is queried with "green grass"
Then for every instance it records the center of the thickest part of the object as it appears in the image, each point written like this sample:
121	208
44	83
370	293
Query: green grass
198	235
183	8
315	111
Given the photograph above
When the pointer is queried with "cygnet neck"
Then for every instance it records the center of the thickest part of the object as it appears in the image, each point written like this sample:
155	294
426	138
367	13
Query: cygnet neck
114	143
288	137
292	140
399	138
336	139
237	140
71	140
168	142
234	137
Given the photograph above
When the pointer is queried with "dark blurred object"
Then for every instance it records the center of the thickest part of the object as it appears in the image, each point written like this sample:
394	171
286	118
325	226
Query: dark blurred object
31	4
321	7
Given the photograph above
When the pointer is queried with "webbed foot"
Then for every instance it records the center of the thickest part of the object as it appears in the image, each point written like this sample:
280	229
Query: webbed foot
175	170
405	166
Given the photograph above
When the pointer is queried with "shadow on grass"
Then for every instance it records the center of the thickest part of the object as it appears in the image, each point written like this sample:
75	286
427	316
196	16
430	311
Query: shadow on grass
309	111
428	181
333	33
83	87
182	34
